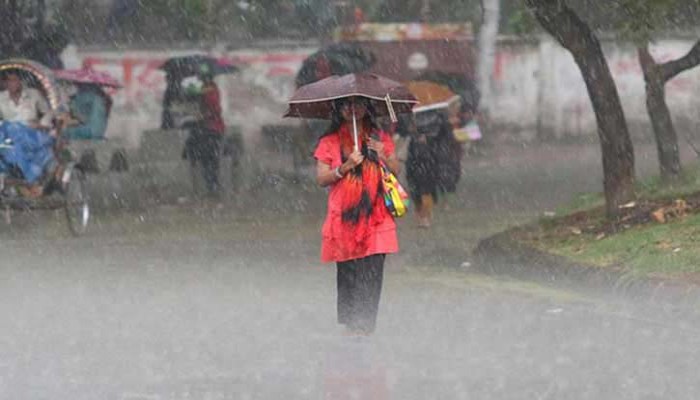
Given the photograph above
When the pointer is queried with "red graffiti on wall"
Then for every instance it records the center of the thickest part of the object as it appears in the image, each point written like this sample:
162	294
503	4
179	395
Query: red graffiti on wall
143	80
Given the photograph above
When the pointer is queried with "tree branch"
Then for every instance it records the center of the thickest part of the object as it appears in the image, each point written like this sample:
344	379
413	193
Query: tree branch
672	68
649	66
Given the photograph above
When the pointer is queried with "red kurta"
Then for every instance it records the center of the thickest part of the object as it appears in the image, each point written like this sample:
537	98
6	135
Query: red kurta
211	109
335	235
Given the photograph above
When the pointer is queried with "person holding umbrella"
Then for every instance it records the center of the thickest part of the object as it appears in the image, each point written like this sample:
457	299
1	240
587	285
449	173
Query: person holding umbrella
359	231
177	97
205	122
433	164
211	130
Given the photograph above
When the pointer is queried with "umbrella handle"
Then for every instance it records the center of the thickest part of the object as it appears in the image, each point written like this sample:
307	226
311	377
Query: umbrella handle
354	129
390	108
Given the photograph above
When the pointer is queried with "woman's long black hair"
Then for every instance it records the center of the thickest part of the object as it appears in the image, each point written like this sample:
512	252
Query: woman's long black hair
337	119
364	207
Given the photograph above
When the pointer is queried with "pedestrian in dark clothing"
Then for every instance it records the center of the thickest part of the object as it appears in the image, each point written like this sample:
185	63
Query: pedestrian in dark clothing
173	94
433	164
204	144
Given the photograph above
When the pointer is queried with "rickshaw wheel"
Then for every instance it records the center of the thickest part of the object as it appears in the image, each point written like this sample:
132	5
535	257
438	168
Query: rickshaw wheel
76	200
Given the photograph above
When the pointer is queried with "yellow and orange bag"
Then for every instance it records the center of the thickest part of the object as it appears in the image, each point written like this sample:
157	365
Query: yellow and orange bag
396	198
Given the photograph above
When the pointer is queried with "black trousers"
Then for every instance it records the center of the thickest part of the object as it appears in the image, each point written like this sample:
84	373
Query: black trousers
359	290
204	147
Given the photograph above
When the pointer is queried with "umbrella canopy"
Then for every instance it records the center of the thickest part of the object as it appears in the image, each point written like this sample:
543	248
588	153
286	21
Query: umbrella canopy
432	96
316	100
336	59
193	65
87	76
460	84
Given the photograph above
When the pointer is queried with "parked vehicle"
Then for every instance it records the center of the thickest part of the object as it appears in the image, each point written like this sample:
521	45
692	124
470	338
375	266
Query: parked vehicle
89	96
67	190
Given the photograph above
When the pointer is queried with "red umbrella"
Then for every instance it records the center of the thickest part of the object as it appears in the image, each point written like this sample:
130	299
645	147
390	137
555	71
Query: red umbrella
88	76
315	100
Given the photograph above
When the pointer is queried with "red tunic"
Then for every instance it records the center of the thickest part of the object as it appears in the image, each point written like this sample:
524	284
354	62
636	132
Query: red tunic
211	109
335	237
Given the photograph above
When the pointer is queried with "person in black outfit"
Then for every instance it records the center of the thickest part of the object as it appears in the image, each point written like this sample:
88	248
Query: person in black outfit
433	165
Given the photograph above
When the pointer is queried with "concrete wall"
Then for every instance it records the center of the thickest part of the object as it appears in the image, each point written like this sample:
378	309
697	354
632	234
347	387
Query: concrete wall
251	98
538	88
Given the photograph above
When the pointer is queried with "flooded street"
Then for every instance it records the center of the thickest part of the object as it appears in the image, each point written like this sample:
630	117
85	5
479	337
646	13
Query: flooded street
195	302
205	145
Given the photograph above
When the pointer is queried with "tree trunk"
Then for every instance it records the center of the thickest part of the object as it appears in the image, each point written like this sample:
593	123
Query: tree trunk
487	52
618	154
656	76
660	116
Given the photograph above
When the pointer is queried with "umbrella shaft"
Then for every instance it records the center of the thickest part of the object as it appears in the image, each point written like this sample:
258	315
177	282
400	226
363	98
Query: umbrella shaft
354	129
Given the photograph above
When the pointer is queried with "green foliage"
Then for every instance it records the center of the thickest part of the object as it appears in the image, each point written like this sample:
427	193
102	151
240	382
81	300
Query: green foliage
412	10
640	19
520	22
457	11
190	16
270	18
314	17
20	22
158	20
187	20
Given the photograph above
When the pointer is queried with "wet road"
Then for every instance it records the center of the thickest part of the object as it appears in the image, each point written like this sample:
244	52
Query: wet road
204	303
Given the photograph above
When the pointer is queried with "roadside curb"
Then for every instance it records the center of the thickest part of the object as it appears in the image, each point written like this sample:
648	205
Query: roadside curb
502	254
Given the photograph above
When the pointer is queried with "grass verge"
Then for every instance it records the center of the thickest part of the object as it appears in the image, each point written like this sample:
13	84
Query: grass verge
638	243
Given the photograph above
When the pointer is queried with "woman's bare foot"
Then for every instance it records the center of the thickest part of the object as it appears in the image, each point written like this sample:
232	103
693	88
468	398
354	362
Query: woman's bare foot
424	222
58	173
31	192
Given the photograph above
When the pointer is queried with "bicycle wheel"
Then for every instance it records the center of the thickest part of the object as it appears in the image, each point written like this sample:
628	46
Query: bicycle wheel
76	201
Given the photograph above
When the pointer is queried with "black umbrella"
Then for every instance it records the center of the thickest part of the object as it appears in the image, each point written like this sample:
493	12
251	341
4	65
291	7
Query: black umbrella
196	64
336	59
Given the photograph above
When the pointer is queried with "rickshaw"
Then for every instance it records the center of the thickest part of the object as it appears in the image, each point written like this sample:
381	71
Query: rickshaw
67	190
91	96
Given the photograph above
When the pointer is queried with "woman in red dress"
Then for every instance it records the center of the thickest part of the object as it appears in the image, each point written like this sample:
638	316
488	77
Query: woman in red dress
359	230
